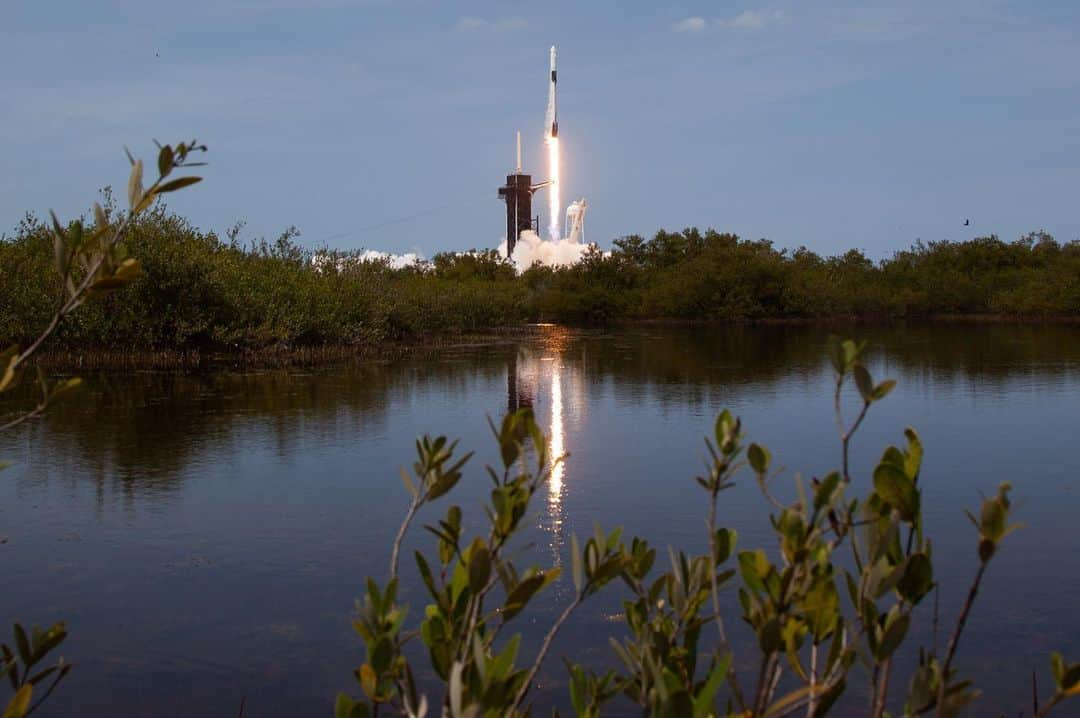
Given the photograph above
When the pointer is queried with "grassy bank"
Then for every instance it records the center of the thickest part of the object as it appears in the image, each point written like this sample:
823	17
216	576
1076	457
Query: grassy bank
203	295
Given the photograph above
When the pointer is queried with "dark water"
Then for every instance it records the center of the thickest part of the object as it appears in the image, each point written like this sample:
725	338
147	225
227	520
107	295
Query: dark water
205	535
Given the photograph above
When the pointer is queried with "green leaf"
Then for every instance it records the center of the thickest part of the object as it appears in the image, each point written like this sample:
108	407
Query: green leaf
19	703
100	220
577	688
504	662
178	183
750	568
7	366
374	597
381	655
993	519
368	681
894	634
913	460
575	563
769	637
443	485
883	389
824	494
897	490
135	188
725	544
864	382
821	605
592	558
165	161
1057	668
851	351
520	596
426	575
1071	679
479	566
704	700
759	458
45	641
65	387
918	578
343	706
23	645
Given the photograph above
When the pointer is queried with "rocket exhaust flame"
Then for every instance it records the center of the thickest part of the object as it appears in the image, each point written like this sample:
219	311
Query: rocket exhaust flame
551	139
554	230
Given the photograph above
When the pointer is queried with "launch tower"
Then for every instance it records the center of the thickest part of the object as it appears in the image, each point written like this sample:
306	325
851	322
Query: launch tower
517	193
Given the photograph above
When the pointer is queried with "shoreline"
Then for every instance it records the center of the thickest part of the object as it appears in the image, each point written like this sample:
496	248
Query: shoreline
285	356
265	357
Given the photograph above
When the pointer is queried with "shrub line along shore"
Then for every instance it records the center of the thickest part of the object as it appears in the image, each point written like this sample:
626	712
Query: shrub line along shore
203	300
64	360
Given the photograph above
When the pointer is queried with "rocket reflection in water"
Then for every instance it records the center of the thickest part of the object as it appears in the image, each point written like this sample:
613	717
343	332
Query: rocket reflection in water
536	379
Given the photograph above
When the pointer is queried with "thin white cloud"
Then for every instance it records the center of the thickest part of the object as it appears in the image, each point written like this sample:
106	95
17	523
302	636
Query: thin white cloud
479	24
754	19
690	24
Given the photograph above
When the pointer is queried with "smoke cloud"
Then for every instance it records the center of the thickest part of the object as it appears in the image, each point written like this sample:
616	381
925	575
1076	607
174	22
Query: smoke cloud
341	262
395	261
530	249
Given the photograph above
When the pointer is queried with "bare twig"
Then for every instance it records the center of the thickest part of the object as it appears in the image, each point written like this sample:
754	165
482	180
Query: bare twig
954	639
765	684
413	506
838	411
38	411
732	677
777	671
1058	698
763	484
52	687
881	690
544	647
845	439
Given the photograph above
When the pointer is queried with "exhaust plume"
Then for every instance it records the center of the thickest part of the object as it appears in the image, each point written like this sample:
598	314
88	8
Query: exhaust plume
531	249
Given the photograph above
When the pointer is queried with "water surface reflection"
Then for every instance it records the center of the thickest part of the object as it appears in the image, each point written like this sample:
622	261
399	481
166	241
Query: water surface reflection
205	534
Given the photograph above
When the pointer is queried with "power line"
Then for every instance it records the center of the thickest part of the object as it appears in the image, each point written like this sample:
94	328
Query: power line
400	220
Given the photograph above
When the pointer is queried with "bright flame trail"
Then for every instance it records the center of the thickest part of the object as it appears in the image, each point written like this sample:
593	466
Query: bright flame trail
554	209
551	138
556	447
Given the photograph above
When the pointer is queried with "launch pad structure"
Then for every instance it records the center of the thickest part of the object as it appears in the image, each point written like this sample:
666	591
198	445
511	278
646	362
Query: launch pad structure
517	193
519	188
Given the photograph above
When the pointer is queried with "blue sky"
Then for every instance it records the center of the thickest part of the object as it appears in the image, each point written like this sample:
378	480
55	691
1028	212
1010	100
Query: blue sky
389	125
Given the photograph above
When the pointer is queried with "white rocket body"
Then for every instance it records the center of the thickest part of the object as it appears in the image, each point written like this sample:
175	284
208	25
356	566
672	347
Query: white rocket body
551	119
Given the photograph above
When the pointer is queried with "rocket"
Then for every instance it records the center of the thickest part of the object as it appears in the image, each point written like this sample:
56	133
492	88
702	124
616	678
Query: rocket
551	120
